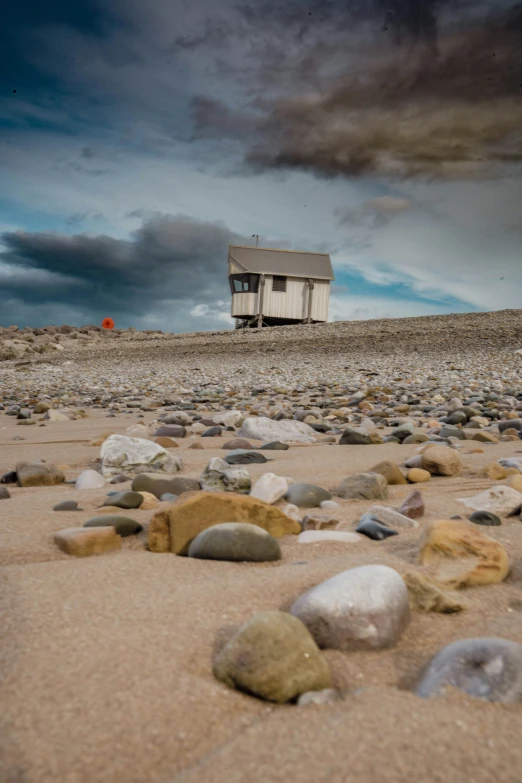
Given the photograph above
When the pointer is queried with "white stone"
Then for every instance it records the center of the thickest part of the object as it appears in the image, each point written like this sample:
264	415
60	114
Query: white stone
139	431
219	476
52	415
286	431
228	418
329	504
365	608
197	428
121	453
502	501
269	488
316	536
391	518
511	462
90	479
292	511
414	462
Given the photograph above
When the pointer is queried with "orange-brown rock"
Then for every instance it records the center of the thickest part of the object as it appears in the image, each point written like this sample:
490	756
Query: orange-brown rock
85	541
171	529
166	443
459	555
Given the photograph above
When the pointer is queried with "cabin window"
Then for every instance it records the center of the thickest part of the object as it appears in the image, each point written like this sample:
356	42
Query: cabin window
279	284
244	283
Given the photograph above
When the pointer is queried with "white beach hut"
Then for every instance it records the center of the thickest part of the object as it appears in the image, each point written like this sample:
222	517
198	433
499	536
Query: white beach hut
273	287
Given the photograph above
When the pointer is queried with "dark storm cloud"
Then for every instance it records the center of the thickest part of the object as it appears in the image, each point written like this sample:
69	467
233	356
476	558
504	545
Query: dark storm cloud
425	88
171	260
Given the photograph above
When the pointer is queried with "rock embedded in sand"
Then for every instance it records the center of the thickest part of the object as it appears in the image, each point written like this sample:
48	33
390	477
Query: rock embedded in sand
486	518
244	457
371	529
275	445
219	476
170	431
418	476
127	499
83	542
319	536
390	518
391	472
150	501
273	656
488	669
365	608
237	542
428	596
66	505
158	484
460	555
135	455
166	443
441	461
173	528
366	486
305	495
413	507
261	428
269	488
4	493
326	696
38	474
90	479
502	501
351	437
52	415
238	443
124	526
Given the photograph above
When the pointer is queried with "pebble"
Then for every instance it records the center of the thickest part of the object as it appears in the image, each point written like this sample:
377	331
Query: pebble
127	499
418	476
486	518
83	542
428	596
158	484
269	488
371	529
318	536
366	486
390	518
66	505
4	493
237	542
500	500
351	437
305	495
90	479
274	657
488	669
275	445
326	696
244	457
364	608
219	476
169	497
124	526
121	478
391	472
238	443
264	429
170	431
441	461
413	507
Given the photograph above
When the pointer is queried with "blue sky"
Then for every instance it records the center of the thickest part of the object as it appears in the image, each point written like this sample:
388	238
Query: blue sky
138	140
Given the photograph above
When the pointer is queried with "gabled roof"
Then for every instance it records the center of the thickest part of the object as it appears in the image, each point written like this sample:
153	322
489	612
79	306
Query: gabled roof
290	263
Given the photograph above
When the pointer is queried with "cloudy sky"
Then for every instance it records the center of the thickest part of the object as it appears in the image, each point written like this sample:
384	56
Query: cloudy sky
138	139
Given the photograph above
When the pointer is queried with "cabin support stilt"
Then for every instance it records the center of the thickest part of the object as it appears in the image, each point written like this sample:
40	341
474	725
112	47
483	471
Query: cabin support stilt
310	296
261	301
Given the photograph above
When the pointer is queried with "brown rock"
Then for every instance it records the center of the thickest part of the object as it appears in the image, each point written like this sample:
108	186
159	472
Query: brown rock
515	481
196	445
441	461
173	528
418	475
86	541
166	443
238	443
462	556
413	507
41	407
150	501
38	474
320	522
427	596
391	472
494	471
485	437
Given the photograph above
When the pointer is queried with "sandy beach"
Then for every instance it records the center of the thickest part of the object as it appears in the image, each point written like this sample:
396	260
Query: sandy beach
107	660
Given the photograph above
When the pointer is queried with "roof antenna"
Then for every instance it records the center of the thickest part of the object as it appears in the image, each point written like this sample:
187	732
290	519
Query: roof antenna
257	238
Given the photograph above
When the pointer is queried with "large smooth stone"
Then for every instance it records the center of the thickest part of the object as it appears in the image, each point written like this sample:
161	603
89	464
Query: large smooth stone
391	472
173	528
371	529
158	484
502	501
274	657
219	476
90	479
305	495
38	474
269	488
244	457
486	518
83	542
461	555
441	461
275	445
366	486
124	526
127	499
483	668
134	455
235	541
365	608
261	428
351	437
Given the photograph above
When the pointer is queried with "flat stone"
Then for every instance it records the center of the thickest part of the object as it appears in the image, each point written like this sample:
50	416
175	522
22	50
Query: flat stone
127	499
275	445
486	518
166	443
274	657
413	507
238	443
124	526
391	518
237	542
170	431
244	457
38	474
261	428
368	486
83	542
364	608
90	479
121	478
371	529
488	669
502	501
326	696
66	505
171	529
428	596
460	555
305	495
320	536
158	484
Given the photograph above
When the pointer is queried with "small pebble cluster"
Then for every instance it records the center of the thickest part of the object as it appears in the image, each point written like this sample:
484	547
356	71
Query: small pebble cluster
254	411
